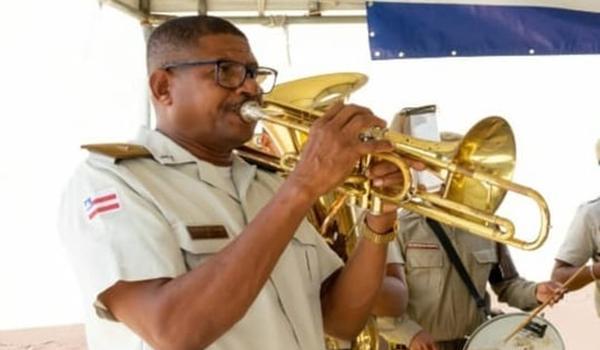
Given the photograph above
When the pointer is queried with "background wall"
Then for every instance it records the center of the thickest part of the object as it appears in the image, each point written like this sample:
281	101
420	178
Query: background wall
73	74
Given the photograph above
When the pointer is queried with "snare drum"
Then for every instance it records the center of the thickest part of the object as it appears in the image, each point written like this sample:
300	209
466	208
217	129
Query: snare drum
539	334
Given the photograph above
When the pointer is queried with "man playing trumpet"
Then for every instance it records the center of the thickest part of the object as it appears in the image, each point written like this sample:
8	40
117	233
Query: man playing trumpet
180	244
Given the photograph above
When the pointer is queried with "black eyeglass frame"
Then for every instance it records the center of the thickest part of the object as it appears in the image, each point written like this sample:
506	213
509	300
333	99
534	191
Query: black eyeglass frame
250	71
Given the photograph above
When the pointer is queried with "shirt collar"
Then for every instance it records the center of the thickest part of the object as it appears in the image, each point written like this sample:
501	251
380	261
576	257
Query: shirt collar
167	152
163	149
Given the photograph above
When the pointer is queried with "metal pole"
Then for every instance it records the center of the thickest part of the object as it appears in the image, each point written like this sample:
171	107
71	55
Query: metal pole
156	19
267	20
136	13
202	7
147	28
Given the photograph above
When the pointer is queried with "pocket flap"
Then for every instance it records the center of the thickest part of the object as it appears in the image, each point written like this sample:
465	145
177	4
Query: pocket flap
206	246
424	258
486	256
306	234
202	239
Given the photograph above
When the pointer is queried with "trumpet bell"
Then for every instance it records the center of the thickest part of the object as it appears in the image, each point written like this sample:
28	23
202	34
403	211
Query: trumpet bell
489	146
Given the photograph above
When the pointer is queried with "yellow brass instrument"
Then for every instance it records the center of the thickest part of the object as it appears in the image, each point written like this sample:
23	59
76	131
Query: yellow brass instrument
476	170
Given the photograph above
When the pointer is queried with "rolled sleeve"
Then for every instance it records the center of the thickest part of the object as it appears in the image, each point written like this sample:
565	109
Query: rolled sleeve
578	246
517	292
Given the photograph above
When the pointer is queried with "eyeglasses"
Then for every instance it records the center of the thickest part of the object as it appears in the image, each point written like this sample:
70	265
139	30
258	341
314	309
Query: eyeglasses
231	74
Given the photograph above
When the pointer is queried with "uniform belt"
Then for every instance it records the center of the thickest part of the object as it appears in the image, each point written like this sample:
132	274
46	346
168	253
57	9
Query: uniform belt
455	344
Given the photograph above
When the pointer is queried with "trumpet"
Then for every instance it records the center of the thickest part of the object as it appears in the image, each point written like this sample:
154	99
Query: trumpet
476	172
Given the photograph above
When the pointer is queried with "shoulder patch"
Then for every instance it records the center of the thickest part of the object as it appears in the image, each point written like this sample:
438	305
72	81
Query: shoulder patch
100	203
119	151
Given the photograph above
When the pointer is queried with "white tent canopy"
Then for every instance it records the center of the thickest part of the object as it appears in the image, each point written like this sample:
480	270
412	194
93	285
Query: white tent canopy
80	78
256	11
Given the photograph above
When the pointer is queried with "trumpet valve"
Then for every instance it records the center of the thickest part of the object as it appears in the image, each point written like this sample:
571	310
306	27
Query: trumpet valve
373	133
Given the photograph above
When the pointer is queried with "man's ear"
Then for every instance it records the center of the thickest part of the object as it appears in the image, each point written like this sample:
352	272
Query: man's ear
160	87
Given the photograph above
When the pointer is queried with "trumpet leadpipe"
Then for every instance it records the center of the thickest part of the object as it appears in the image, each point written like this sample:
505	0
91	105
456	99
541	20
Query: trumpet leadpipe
275	113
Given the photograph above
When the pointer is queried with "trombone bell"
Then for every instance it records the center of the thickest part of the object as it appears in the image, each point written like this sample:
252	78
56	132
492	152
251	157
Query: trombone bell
488	147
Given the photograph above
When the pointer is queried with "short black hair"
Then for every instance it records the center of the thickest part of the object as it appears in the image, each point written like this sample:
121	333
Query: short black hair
182	33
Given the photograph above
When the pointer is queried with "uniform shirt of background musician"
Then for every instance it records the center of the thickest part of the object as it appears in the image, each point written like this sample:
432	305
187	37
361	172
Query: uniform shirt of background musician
581	244
438	300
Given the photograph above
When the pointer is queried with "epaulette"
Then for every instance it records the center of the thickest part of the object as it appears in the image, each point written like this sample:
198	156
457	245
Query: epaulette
119	151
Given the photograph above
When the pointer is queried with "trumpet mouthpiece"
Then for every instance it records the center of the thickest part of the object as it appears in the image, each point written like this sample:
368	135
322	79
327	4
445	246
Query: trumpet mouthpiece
251	111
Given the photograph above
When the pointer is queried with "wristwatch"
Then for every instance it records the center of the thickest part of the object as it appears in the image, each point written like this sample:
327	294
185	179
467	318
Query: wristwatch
378	238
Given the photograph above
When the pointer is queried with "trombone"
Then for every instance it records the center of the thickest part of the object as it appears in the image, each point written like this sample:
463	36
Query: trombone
476	172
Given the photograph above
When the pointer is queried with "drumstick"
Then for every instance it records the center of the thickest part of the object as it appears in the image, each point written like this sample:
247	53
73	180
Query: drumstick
538	309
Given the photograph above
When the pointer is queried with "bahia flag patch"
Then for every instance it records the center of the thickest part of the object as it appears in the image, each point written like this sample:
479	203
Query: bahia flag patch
103	203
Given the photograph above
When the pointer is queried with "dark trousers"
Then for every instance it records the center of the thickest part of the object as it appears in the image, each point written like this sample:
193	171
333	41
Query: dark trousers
442	345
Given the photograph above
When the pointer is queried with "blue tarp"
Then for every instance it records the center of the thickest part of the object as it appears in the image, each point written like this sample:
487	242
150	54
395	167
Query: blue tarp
411	30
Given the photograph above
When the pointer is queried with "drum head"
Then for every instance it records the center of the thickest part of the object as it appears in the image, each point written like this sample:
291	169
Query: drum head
539	335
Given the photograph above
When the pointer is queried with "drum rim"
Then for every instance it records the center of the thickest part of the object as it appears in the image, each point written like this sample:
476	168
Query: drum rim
512	314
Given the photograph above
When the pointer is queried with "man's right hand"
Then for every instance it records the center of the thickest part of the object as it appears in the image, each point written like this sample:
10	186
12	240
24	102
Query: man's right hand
334	146
422	341
549	290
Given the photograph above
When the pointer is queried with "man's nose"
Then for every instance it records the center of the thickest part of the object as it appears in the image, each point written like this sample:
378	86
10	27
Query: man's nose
249	87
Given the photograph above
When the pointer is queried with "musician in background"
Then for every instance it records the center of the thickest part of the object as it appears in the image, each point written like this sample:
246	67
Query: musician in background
582	244
442	310
180	244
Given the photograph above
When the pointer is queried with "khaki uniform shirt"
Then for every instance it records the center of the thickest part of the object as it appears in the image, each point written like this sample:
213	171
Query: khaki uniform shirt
160	222
439	301
583	240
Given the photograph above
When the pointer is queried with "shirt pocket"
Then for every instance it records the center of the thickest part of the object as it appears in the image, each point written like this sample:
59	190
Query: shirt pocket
424	268
197	250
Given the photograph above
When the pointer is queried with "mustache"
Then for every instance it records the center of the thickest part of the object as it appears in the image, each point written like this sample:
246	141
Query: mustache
235	106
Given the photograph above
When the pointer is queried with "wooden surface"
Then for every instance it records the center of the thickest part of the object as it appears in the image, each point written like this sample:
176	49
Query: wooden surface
70	337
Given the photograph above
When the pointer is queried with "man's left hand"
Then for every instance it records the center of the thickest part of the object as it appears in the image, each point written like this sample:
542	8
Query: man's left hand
386	175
